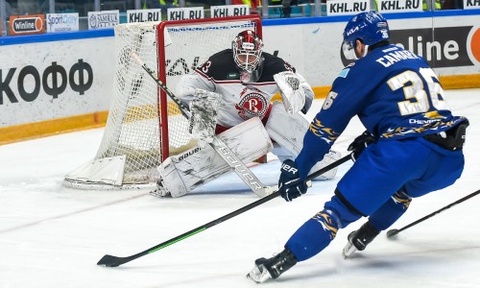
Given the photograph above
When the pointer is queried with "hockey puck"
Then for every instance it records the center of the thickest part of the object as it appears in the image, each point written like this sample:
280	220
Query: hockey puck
392	232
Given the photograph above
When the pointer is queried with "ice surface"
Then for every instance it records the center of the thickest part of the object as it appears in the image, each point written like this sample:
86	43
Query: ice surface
52	236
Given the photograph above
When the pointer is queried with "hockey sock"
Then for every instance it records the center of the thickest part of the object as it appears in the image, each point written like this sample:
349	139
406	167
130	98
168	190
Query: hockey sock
389	212
313	236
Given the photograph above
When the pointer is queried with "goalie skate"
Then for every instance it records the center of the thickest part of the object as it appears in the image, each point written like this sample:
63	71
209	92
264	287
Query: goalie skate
160	191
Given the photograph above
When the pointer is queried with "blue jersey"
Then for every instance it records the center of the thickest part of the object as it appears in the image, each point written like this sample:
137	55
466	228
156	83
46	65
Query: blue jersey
394	93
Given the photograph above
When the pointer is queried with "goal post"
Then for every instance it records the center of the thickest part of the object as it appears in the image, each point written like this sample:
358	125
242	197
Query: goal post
144	126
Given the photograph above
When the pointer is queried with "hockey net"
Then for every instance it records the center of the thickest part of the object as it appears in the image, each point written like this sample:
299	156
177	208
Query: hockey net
144	126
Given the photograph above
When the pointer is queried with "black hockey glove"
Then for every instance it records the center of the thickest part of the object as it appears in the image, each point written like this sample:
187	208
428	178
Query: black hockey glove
288	187
360	143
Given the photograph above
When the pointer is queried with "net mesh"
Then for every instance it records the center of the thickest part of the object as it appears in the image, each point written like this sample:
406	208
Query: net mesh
133	127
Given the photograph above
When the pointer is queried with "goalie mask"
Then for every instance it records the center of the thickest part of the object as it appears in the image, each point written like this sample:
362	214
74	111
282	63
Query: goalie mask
247	51
368	27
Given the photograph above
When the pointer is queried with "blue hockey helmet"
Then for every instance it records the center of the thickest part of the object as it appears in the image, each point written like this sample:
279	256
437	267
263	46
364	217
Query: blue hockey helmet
368	27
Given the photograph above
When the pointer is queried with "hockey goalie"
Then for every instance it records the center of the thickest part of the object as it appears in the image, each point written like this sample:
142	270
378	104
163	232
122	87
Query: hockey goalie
229	97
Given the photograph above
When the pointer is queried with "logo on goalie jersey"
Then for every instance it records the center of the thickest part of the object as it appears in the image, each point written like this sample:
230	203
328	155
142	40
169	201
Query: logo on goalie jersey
252	104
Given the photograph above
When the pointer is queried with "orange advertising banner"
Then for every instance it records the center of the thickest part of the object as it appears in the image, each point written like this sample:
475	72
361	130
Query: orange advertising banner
27	24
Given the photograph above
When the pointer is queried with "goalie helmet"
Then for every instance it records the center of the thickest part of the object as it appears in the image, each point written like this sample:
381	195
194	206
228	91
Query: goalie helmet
368	27
247	50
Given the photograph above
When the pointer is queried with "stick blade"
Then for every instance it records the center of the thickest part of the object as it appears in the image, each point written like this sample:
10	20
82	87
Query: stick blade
112	261
392	233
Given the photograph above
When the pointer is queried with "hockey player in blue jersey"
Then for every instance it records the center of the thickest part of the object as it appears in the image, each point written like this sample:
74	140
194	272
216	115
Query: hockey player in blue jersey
412	145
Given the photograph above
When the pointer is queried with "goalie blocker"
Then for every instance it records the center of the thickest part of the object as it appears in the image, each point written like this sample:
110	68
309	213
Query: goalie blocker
203	118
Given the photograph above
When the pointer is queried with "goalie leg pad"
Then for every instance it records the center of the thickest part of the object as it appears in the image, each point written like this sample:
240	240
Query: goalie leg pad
328	159
182	173
288	130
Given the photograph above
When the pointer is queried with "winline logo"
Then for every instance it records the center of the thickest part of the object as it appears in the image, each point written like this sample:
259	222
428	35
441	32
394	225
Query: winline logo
474	40
28	24
442	46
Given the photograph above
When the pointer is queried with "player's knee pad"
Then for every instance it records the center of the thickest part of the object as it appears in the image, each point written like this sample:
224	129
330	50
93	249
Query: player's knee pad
182	173
343	210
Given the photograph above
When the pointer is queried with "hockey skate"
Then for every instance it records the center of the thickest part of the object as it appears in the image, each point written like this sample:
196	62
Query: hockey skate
271	268
160	191
359	239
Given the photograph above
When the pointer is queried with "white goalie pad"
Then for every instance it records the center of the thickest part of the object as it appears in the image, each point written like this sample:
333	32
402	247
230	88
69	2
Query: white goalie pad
203	118
292	89
328	159
182	173
287	131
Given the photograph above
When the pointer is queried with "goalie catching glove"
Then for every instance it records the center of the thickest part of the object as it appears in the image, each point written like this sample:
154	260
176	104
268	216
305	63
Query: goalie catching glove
296	93
203	118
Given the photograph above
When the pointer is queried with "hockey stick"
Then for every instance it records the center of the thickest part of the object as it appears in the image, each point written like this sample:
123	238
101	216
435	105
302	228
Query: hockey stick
114	261
393	232
222	149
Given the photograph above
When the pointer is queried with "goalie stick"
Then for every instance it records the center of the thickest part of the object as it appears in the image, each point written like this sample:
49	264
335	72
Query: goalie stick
393	232
114	261
222	149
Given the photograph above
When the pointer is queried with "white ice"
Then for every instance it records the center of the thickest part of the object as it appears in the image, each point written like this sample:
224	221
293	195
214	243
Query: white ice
52	236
